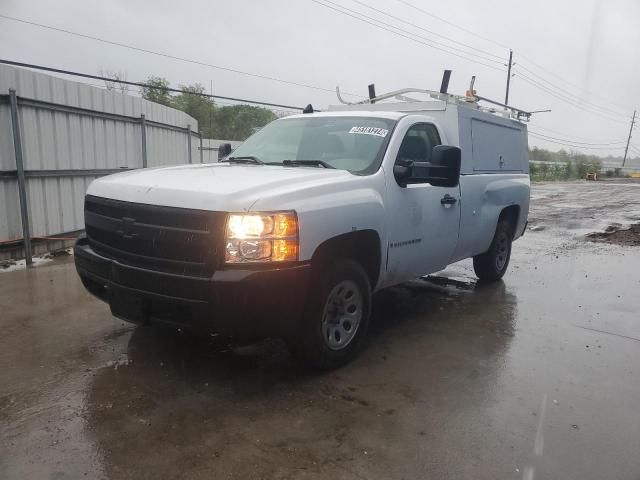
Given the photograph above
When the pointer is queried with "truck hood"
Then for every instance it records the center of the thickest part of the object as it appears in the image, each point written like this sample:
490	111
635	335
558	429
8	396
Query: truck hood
221	187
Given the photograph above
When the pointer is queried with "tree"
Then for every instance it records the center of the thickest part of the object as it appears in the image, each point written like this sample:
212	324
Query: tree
569	170
544	168
558	170
234	122
237	122
114	86
156	91
193	103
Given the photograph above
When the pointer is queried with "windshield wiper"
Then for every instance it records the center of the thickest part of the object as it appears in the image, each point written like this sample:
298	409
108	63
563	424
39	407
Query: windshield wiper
313	163
247	159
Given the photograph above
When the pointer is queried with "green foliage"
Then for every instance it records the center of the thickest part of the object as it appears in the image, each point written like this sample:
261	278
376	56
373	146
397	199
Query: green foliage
156	92
239	121
234	122
199	107
563	165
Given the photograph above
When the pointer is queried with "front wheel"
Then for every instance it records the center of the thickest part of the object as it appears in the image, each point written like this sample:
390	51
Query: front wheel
492	264
336	316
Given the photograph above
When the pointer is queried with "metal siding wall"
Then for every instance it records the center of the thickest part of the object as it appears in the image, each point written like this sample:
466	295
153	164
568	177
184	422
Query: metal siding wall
166	147
7	156
53	140
10	225
210	149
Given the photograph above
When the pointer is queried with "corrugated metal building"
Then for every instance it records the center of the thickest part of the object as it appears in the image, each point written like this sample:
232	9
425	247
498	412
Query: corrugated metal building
71	133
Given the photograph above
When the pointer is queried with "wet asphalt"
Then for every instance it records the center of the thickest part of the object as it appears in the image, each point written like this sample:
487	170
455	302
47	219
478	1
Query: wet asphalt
535	377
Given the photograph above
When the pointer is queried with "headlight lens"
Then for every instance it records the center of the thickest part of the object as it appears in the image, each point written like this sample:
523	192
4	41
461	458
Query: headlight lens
262	237
247	226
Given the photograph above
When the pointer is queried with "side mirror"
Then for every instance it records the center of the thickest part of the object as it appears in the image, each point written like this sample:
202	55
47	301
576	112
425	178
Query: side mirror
445	166
223	150
402	174
442	171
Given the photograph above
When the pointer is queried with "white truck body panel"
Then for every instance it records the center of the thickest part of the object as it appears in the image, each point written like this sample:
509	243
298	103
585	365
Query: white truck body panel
418	235
215	186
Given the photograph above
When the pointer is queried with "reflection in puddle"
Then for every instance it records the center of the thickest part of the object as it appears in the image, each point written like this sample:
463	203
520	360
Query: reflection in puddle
188	404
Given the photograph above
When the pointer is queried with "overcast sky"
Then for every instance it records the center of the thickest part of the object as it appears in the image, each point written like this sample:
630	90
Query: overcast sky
584	48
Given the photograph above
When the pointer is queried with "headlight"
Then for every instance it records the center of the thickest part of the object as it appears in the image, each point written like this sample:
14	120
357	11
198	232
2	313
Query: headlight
261	237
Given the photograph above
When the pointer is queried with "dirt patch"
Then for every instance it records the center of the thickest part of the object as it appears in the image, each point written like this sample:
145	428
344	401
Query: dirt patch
618	235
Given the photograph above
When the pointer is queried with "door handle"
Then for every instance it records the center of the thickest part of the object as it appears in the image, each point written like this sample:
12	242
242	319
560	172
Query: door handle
448	200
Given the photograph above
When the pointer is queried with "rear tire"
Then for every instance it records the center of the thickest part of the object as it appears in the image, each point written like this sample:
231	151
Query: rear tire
492	265
336	316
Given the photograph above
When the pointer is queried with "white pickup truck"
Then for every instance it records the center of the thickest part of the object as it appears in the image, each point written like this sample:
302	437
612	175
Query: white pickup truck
292	233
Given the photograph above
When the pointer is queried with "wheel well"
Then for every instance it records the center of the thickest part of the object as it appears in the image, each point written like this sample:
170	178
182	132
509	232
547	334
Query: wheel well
511	215
363	246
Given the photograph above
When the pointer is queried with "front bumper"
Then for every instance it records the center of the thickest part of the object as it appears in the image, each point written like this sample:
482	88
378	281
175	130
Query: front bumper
238	302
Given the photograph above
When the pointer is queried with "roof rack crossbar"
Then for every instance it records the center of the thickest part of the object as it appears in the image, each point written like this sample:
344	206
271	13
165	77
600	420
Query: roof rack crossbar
394	93
469	100
517	111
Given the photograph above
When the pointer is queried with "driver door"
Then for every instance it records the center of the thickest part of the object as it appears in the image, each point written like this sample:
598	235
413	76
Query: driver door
423	220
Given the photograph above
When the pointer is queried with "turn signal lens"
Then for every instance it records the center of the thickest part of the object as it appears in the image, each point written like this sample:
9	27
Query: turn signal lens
261	237
284	250
284	225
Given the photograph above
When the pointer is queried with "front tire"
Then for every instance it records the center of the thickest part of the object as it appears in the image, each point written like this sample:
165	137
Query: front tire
336	316
492	265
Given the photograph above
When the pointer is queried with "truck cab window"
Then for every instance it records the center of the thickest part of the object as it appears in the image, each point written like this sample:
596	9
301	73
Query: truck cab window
418	143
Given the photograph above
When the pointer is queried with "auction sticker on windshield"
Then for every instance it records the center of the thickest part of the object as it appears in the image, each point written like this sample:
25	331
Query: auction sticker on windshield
378	132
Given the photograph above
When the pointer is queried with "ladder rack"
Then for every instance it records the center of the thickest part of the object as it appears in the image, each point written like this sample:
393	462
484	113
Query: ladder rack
470	100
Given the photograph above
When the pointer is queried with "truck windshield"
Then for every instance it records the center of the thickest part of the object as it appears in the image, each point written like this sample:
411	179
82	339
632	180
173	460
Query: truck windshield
346	143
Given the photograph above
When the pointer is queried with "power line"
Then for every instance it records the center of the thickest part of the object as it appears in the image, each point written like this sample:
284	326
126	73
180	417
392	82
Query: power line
569	101
570	94
500	60
554	74
453	24
490	40
578	137
363	18
566	144
173	57
131	93
232	104
578	143
572	99
143	85
409	35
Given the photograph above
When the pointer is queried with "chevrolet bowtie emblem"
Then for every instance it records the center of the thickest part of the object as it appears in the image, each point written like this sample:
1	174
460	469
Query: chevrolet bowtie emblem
126	228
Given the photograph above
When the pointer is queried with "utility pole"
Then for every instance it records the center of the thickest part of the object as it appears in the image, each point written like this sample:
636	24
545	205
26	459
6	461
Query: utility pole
626	149
506	96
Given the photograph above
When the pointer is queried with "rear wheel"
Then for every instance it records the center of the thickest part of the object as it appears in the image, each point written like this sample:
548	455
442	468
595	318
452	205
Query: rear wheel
492	265
336	316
